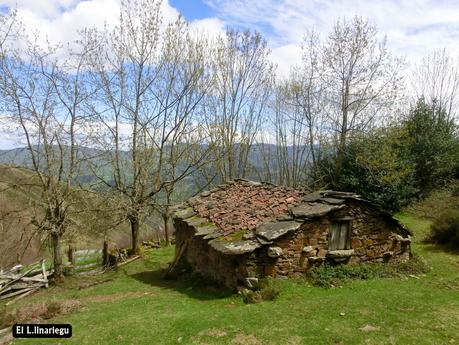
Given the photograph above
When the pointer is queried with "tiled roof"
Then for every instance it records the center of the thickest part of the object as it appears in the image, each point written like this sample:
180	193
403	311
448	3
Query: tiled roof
242	205
239	216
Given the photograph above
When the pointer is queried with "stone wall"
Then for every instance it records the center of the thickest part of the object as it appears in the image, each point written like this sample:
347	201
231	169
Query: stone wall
201	258
374	238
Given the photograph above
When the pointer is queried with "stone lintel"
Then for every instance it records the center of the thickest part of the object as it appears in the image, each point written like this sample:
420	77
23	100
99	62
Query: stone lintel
234	247
272	230
206	229
184	213
196	221
312	210
340	253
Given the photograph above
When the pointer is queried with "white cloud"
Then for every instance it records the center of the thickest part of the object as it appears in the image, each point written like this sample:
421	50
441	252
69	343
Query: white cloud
210	27
60	20
43	8
285	57
413	27
9	137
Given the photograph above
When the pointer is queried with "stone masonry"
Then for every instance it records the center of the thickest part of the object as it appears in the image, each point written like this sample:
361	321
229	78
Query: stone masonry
244	229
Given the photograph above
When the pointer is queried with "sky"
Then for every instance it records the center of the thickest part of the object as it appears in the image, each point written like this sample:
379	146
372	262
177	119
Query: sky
413	27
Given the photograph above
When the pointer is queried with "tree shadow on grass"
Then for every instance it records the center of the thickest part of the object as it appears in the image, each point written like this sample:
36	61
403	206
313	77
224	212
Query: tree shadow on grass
440	248
191	285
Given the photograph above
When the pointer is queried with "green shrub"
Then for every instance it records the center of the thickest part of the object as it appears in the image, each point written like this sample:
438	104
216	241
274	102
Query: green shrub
251	296
445	229
69	270
432	145
416	265
264	291
375	166
331	276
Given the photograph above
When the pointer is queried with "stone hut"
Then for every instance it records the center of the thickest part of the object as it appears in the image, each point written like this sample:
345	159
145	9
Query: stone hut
243	230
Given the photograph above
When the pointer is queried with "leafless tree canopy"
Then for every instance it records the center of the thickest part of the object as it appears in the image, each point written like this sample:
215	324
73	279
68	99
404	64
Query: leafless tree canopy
234	110
437	79
151	81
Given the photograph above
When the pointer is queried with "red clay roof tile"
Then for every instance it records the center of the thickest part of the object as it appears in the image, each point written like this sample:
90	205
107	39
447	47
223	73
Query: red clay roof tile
244	205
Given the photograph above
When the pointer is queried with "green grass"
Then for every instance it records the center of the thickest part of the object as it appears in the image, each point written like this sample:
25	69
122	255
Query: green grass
136	306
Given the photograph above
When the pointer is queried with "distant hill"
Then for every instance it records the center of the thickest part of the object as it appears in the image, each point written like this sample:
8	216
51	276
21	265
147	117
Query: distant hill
20	157
260	156
21	201
17	235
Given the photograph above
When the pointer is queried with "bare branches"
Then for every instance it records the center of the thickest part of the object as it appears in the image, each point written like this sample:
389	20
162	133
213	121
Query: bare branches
360	73
151	82
437	79
44	96
234	111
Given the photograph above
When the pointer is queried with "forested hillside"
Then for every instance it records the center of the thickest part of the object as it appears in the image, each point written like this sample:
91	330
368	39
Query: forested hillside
90	222
16	213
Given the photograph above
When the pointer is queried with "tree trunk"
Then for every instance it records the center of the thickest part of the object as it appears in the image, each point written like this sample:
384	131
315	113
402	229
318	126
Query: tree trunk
71	254
166	229
134	220
105	254
343	131
57	256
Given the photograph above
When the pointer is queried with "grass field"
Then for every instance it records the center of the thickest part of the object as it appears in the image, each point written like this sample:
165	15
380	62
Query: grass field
135	306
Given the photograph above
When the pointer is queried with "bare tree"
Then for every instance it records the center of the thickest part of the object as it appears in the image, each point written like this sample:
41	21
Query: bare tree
18	237
151	80
235	108
437	79
44	97
344	85
300	117
361	78
292	138
182	158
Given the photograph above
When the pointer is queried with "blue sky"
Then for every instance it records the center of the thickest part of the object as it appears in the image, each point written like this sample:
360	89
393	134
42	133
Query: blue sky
192	9
413	28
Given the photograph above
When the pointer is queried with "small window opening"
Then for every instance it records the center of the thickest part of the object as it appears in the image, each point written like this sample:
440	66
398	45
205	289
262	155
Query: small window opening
340	234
